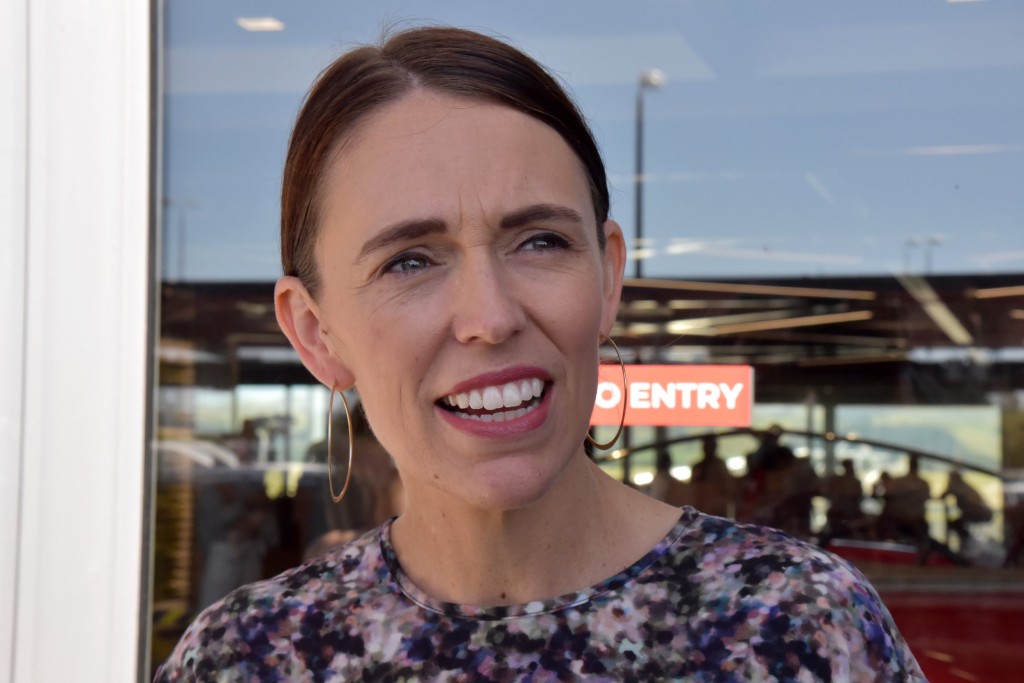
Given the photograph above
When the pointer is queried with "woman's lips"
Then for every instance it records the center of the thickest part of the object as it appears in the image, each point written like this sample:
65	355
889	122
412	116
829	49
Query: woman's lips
501	403
500	377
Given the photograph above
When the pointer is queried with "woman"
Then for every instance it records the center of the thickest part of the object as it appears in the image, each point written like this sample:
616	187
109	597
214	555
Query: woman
447	251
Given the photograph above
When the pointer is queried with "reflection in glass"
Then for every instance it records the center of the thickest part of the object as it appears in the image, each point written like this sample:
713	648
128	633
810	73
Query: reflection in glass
831	195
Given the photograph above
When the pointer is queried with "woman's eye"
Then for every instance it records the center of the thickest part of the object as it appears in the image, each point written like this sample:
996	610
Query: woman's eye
545	241
406	263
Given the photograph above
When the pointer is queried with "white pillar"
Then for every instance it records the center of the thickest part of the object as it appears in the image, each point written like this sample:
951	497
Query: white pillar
74	183
13	131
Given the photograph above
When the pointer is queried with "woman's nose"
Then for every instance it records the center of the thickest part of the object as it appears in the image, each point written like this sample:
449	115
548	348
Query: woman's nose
486	306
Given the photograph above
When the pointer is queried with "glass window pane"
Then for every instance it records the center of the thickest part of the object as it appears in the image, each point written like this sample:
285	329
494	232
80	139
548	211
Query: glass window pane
829	195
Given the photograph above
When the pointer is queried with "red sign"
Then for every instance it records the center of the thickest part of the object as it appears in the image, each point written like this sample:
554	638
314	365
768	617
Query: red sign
673	395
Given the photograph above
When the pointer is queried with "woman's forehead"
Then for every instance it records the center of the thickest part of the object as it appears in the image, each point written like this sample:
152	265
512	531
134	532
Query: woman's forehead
432	154
430	129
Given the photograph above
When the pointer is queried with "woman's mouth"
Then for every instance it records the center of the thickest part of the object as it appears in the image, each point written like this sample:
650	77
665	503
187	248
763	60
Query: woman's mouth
496	403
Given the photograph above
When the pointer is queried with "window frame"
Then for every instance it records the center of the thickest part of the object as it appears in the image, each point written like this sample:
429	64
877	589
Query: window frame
76	347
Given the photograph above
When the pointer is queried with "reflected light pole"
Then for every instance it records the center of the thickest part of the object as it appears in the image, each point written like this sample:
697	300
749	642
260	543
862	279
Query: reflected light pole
182	206
933	241
650	79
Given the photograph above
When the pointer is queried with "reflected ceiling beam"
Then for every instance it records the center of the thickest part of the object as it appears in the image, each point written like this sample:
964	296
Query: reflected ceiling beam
936	309
693	304
643	308
765	359
760	290
832	339
647	308
853	359
996	292
763	322
689	325
904	326
641	329
169	352
787	323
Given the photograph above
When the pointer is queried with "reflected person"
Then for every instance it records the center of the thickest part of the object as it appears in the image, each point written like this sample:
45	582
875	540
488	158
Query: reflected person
845	492
714	487
906	497
971	508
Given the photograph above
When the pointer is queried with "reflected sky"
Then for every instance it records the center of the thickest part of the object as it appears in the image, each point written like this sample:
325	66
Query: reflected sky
792	138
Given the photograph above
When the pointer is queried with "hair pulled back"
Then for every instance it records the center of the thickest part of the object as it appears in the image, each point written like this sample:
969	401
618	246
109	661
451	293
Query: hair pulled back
447	60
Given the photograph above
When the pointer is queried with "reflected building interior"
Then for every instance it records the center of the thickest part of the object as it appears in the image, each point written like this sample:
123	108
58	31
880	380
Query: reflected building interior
863	370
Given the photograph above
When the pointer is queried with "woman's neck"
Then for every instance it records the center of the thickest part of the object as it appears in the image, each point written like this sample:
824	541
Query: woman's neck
586	528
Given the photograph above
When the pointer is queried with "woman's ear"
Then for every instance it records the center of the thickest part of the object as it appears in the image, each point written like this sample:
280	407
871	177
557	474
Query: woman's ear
299	318
614	266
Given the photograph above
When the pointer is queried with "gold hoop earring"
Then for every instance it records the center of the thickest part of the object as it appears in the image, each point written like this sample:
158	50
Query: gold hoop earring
351	437
625	389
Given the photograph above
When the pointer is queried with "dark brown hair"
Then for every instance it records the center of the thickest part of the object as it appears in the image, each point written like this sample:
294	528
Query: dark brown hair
449	60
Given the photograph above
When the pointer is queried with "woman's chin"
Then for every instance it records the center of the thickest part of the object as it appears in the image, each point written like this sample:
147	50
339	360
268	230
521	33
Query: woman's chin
509	484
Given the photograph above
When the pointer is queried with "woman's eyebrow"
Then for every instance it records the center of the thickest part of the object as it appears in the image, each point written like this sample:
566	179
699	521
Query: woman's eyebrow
402	232
418	227
538	213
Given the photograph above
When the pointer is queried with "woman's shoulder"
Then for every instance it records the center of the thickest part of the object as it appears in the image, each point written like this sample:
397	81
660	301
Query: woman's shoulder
245	629
754	560
724	540
789	594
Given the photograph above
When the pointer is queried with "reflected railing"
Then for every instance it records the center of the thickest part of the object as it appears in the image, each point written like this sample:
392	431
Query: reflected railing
829	437
896	504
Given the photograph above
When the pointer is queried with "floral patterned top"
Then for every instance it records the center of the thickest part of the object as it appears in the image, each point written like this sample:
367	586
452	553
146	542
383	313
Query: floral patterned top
713	601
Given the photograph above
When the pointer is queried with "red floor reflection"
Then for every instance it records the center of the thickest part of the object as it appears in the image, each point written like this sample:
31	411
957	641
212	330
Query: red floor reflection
963	624
963	636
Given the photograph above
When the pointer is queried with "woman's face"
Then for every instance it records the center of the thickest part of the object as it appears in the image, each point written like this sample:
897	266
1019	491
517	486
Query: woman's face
464	293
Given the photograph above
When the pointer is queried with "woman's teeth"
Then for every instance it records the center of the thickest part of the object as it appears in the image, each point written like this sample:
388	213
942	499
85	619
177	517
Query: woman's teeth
494	398
500	416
